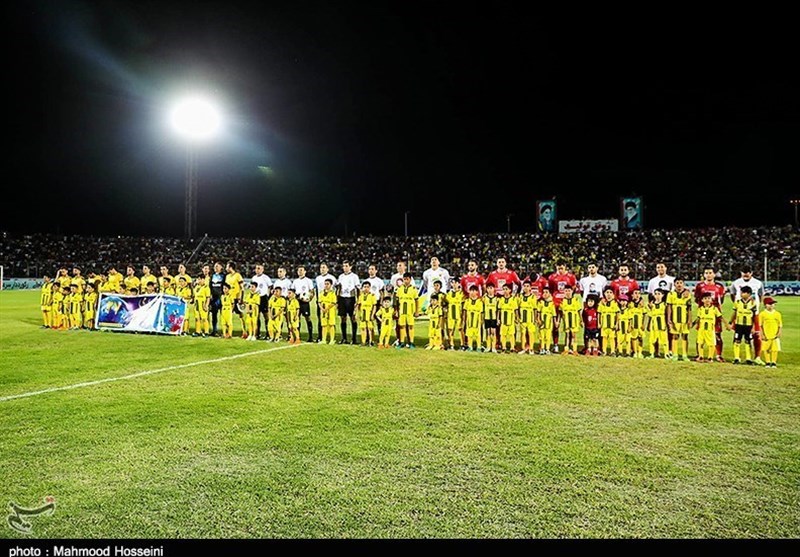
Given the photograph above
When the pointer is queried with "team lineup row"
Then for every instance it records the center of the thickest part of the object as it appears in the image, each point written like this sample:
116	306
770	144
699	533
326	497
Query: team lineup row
494	313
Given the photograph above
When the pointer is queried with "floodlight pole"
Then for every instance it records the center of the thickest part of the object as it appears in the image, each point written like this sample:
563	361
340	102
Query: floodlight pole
796	203
406	223
190	209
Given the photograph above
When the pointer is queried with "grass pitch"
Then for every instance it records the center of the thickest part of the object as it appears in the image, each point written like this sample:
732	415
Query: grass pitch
350	442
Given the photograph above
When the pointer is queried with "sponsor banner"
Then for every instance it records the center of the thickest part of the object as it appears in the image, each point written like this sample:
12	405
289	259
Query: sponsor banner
771	288
781	288
588	225
158	313
22	283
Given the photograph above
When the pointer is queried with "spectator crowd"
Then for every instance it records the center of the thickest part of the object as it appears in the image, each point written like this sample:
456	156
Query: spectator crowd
685	251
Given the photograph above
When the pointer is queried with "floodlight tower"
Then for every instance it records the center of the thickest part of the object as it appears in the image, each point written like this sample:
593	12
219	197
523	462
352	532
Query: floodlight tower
196	120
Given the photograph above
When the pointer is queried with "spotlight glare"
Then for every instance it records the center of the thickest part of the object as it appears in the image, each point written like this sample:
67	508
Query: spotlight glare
196	119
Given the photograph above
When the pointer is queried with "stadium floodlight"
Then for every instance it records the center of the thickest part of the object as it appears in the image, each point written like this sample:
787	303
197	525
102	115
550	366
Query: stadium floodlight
196	120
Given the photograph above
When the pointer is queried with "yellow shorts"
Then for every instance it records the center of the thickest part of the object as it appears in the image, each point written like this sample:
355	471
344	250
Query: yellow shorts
329	319
407	319
707	338
679	328
507	330
474	333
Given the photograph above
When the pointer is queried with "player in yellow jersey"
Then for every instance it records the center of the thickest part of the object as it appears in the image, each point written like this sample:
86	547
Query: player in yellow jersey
131	281
546	314
490	318
608	316
150	289
454	304
637	309
624	326
408	299
277	313
202	301
62	278
328	307
89	306
528	304
252	302
165	282
571	307
46	302
745	310
771	327
75	307
78	280
473	319
234	279
181	273
146	277
366	304
507	308
436	316
706	323
226	311
114	281
679	315
657	322
184	291
56	307
293	317
386	319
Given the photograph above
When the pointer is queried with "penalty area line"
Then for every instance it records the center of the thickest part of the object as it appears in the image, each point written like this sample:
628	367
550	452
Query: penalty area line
143	373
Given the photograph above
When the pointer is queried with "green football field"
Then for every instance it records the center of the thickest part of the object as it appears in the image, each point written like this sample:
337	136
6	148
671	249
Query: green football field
161	437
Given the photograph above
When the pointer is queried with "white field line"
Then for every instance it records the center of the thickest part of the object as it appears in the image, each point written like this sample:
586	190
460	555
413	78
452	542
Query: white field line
143	373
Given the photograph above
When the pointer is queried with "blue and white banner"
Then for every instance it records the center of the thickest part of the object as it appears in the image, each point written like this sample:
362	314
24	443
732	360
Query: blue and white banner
158	313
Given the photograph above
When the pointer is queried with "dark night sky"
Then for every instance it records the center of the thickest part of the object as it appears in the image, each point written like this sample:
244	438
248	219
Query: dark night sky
460	113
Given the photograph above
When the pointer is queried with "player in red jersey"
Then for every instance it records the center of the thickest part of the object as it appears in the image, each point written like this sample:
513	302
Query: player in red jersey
624	284
557	282
502	275
717	290
538	283
473	277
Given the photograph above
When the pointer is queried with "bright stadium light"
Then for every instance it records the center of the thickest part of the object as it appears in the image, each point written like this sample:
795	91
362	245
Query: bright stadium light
196	120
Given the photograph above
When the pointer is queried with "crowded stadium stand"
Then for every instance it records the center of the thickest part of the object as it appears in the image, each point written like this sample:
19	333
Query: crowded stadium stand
685	251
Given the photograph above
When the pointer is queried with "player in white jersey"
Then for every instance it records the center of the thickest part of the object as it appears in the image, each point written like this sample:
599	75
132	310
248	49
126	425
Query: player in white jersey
264	283
661	281
304	290
376	284
347	291
397	277
433	274
283	281
747	279
319	284
593	283
757	287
